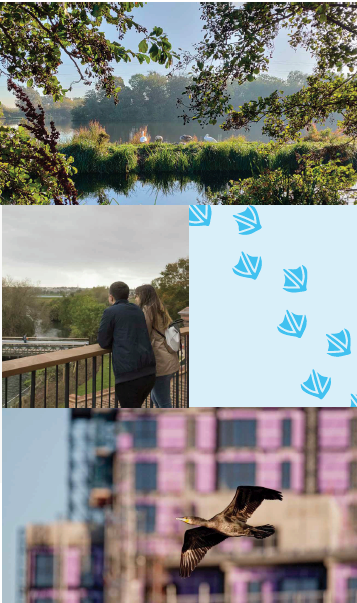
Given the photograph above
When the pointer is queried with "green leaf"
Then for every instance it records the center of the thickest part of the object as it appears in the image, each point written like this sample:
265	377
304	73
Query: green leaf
143	46
154	51
96	10
30	83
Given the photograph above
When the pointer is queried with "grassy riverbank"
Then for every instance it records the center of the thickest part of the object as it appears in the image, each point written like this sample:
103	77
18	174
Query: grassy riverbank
234	157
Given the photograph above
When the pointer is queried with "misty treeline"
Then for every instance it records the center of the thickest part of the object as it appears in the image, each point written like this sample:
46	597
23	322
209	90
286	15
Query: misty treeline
152	97
80	313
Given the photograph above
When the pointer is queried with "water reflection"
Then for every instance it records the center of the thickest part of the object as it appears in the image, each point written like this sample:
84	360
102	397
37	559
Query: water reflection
137	190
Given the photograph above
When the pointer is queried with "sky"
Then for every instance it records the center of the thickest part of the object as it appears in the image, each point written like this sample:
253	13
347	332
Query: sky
92	246
34	477
181	22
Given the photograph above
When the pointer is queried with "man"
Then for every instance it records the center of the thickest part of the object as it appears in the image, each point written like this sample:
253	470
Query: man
123	328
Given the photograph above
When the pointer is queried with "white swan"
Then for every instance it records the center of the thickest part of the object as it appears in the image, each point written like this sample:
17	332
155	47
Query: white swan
209	139
143	137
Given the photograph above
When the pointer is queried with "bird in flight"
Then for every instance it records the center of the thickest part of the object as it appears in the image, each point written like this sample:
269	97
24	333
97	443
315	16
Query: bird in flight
232	521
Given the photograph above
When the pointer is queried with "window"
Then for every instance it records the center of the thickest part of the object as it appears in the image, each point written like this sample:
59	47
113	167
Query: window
353	475
241	432
191	432
299	584
145	476
231	475
191	475
286	475
354	432
144	433
103	472
44	567
286	432
254	587
351	590
146	518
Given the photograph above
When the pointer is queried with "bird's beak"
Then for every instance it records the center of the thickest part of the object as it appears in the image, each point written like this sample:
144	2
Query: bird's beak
181	519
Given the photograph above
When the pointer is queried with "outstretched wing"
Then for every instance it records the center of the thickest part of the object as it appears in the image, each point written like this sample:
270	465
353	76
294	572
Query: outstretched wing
196	544
247	499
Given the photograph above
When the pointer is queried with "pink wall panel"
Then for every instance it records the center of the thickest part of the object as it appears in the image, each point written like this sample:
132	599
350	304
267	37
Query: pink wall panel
341	574
298	430
334	429
166	513
171	473
72	597
124	441
237	413
269	431
333	472
171	431
205	473
72	567
206	432
269	474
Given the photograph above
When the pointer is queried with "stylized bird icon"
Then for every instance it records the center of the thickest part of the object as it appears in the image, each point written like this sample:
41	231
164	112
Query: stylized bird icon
230	522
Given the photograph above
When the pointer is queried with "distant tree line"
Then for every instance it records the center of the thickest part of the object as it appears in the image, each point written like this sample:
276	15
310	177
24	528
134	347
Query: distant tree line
152	97
80	312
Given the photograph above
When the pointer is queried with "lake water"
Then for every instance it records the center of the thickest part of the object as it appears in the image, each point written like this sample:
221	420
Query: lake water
137	191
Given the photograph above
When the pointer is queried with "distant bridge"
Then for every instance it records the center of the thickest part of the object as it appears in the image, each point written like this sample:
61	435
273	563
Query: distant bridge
16	347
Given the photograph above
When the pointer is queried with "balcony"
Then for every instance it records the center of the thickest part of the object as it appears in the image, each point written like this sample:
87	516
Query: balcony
80	377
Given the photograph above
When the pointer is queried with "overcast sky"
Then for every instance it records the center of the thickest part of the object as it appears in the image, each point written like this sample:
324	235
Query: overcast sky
181	21
91	246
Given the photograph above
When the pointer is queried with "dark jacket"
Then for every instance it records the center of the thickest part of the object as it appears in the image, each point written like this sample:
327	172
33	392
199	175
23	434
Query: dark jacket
123	328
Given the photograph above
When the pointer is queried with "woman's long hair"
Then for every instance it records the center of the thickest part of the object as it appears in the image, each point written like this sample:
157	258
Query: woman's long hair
149	298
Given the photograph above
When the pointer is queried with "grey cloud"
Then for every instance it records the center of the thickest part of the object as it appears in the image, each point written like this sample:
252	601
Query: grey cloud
90	246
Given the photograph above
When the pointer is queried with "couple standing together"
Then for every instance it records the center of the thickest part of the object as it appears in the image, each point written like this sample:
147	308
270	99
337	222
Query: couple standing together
143	363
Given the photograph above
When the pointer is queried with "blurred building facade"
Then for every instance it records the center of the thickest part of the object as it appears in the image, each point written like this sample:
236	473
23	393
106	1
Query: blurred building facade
134	472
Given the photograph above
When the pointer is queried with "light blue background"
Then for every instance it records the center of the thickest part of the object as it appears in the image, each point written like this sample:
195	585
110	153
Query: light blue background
237	355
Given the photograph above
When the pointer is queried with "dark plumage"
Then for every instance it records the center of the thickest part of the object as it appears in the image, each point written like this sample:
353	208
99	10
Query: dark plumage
232	521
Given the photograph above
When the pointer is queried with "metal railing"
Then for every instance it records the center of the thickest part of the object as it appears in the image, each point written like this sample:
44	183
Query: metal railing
78	378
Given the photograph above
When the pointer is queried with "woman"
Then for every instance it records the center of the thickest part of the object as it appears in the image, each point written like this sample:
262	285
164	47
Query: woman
167	363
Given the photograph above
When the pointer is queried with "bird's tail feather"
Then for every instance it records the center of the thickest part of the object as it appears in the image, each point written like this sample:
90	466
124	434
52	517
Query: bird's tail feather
262	531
